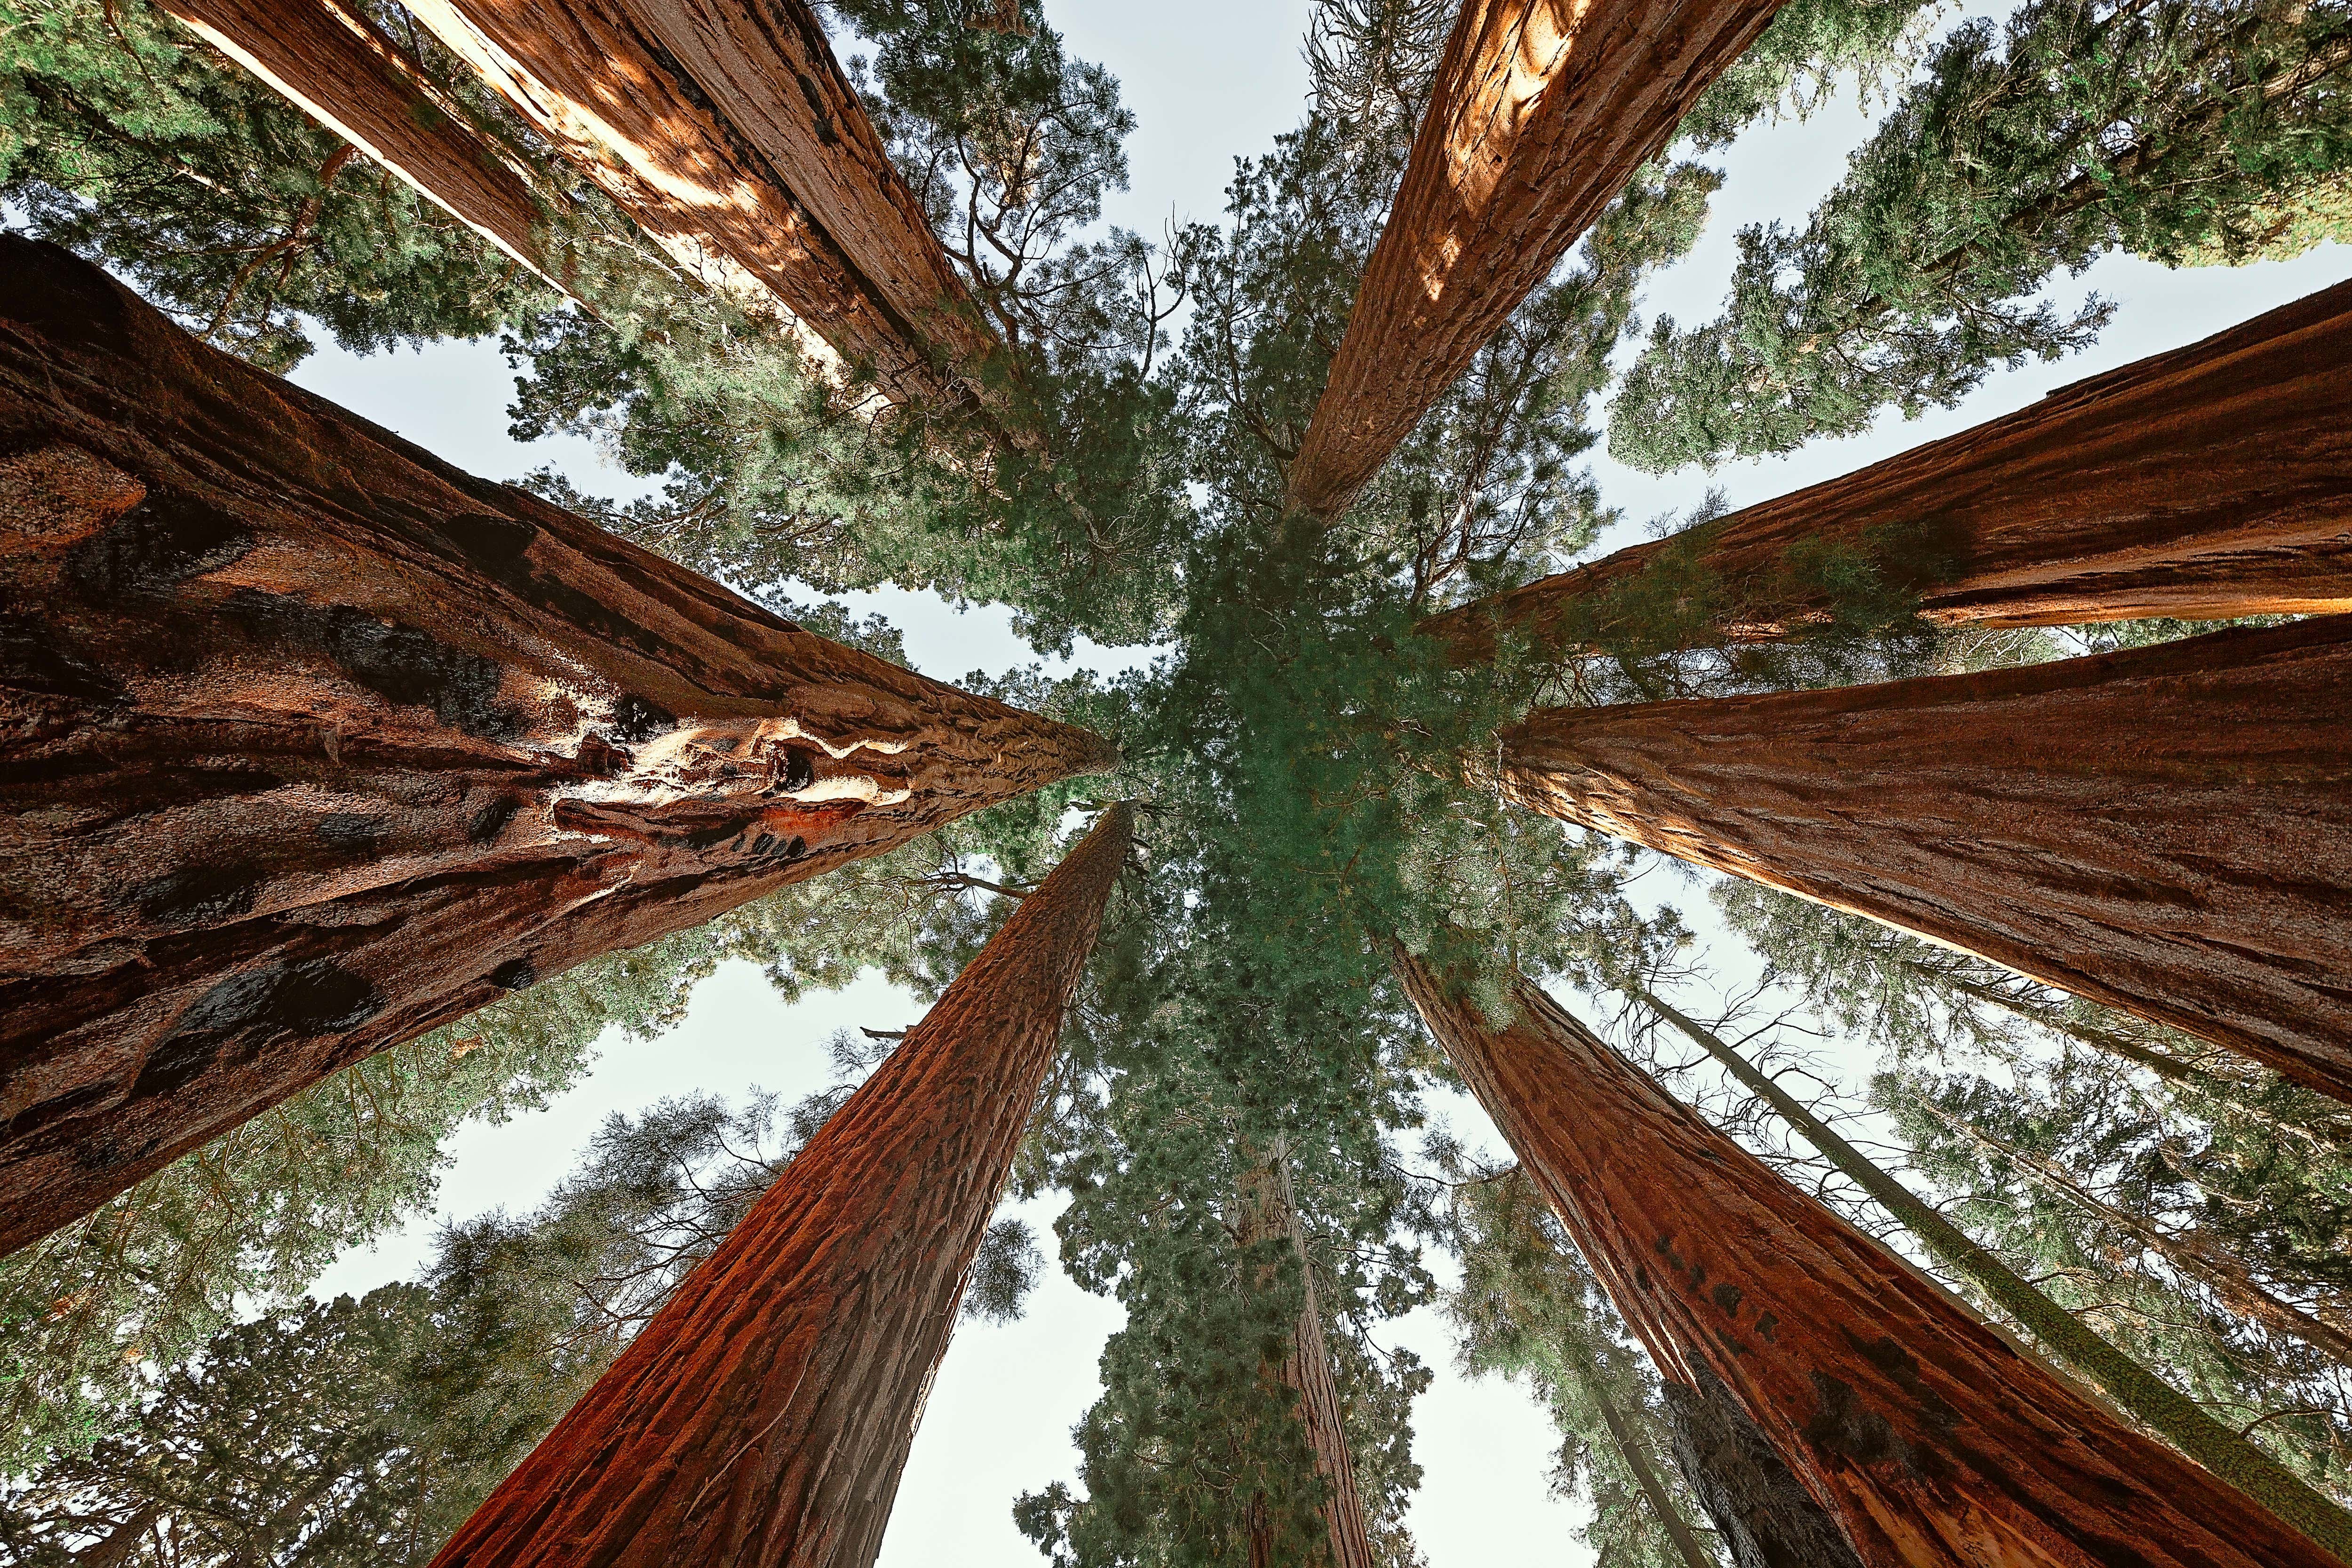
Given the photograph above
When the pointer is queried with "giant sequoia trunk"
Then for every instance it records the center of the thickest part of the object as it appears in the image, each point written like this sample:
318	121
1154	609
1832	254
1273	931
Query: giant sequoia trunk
2209	482
309	743
1269	1212
732	126
1540	112
333	61
763	1417
2166	829
1782	1332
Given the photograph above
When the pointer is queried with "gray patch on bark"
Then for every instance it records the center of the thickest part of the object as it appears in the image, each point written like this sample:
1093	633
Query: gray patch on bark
1766	1517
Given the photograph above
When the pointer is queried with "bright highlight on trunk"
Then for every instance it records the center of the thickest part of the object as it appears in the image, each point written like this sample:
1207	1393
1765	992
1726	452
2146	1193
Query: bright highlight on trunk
1921	1433
309	743
1541	112
2208	483
2166	829
763	1416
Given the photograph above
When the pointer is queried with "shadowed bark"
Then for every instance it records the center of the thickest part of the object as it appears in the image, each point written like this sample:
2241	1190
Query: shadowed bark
1540	112
1917	1429
763	1416
331	61
309	743
2209	482
732	131
2166	829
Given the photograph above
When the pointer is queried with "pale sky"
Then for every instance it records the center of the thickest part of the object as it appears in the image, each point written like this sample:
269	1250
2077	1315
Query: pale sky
1207	81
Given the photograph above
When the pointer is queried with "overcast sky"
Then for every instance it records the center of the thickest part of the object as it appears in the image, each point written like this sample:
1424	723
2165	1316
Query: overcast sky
1207	80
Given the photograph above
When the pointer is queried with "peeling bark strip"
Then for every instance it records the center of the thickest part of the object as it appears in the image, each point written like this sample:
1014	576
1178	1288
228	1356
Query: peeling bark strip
731	130
1541	112
334	64
309	743
2210	482
1926	1437
763	1416
2167	830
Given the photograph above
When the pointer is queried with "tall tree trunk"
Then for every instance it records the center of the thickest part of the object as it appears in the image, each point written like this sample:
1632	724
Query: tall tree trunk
1654	1490
331	60
1269	1211
309	743
118	1545
733	129
2139	1392
2166	829
2209	482
1927	1437
1540	111
764	1416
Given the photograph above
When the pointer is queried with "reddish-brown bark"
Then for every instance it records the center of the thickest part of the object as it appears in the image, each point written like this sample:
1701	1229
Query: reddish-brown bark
761	1419
2166	829
309	743
334	63
2209	482
1540	112
1923	1433
732	128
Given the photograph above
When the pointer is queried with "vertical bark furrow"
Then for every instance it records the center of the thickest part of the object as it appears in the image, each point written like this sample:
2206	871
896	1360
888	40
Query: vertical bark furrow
763	1417
334	64
1540	112
733	135
2167	830
1925	1437
2210	482
309	743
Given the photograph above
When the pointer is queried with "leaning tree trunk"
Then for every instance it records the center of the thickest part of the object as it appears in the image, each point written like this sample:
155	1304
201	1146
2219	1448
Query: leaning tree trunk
2209	482
336	65
1645	1475
1270	1211
734	129
1924	1435
1540	111
309	743
764	1415
2167	830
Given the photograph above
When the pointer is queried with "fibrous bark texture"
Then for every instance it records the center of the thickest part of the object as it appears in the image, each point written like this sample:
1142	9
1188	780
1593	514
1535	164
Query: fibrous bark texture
1540	112
763	1416
1920	1432
2208	483
2166	829
333	62
731	131
309	743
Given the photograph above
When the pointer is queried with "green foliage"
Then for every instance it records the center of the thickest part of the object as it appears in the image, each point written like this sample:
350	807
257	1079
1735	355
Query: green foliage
124	139
1798	62
2076	128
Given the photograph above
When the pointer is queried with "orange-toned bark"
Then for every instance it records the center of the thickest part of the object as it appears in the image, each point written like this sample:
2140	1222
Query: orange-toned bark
1540	112
761	1419
2210	482
2166	829
309	743
1925	1435
733	129
336	65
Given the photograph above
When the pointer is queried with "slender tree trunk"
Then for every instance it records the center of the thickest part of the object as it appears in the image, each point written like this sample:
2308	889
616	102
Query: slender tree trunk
1270	1211
334	63
2209	482
1926	1436
1660	1501
732	131
2167	830
309	743
2199	1259
764	1416
116	1547
2139	1392
1540	112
